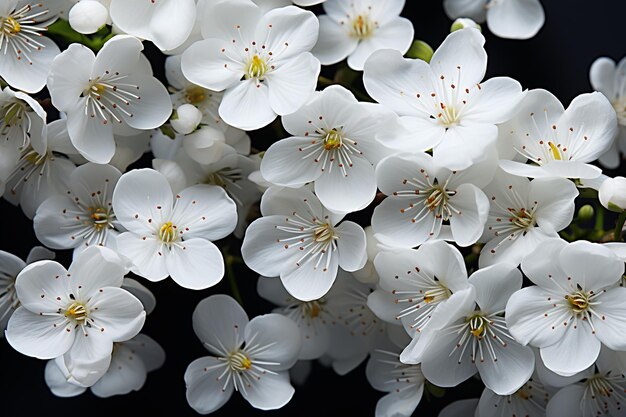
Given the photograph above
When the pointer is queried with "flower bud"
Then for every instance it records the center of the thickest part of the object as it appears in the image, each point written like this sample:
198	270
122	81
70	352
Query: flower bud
88	16
585	213
420	50
612	194
462	23
186	119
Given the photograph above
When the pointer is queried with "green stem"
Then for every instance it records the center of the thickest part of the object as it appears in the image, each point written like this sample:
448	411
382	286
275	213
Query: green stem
229	260
617	235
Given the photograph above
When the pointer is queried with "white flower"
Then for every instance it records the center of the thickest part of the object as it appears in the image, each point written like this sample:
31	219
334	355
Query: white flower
77	314
335	144
313	318
36	175
575	307
474	337
88	16
404	383
513	19
610	79
460	408
300	241
368	274
261	61
612	193
113	92
10	267
25	54
422	196
414	284
130	363
356	29
560	143
445	105
601	392
170	235
524	213
83	216
250	356
167	23
19	114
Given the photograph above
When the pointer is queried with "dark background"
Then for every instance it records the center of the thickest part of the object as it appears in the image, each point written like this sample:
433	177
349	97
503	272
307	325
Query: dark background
576	32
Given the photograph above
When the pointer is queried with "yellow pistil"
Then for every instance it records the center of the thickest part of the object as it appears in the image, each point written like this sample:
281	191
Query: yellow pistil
478	325
332	140
256	68
556	153
167	233
239	361
323	233
195	95
523	219
362	27
11	26
578	301
77	312
100	217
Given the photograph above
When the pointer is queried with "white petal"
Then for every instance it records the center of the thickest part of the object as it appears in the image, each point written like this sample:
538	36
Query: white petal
145	254
515	365
351	246
347	192
528	320
152	108
28	73
495	102
117	313
590	265
247	105
333	44
542	265
44	278
43	337
260	249
575	351
399	404
270	392
204	211
460	408
494	286
89	357
467	226
554	198
289	30
602	77
464	49
203	64
149	351
92	136
464	145
273	338
284	163
195	264
142	293
612	321
96	268
219	321
309	281
292	83
55	379
142	200
205	391
126	373
520	19
473	9
566	402
69	75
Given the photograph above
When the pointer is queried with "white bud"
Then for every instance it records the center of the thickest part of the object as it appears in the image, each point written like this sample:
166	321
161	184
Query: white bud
463	23
187	119
612	194
87	16
205	145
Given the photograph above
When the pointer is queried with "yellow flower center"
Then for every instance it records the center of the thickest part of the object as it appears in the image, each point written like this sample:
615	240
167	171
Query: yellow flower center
333	140
167	233
478	325
77	312
100	217
239	361
10	26
578	301
323	233
362	27
195	95
556	152
256	68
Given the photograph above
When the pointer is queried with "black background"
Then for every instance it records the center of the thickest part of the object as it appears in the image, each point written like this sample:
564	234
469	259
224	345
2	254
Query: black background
576	32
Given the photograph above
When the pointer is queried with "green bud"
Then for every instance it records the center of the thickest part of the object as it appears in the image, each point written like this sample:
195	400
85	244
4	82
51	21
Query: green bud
463	23
420	50
168	131
586	212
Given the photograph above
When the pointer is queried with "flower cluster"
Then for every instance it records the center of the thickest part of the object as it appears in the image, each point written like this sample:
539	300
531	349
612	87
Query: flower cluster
470	256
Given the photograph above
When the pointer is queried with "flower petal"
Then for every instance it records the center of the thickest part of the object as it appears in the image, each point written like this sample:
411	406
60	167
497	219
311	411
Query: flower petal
205	391
43	337
269	392
273	338
219	322
195	264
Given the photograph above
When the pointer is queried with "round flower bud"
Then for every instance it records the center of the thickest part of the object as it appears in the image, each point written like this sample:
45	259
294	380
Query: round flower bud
186	119
462	23
612	194
586	212
88	16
